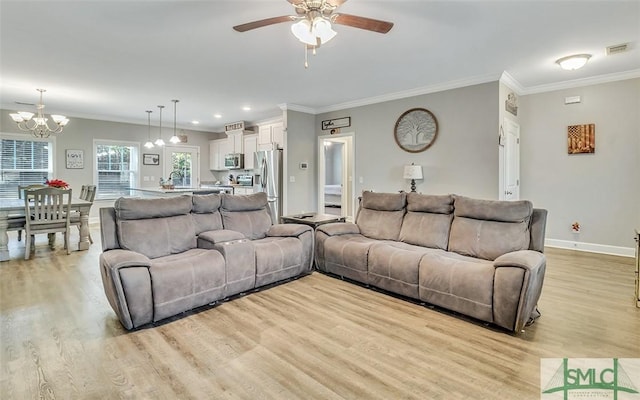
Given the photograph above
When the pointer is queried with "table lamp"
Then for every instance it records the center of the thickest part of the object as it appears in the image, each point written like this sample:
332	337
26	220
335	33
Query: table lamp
413	172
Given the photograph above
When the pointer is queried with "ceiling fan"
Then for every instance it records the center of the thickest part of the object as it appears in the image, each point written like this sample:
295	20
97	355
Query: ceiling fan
314	22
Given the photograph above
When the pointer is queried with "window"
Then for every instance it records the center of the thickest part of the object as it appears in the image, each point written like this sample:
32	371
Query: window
116	168
24	160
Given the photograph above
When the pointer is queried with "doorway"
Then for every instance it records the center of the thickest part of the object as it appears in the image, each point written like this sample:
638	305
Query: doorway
182	162
336	161
510	163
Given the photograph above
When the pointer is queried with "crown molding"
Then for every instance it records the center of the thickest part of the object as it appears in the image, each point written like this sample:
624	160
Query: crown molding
512	83
618	76
297	107
440	87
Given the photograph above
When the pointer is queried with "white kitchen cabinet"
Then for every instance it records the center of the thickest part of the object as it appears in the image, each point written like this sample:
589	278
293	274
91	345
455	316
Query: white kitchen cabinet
217	150
242	190
250	147
271	136
236	142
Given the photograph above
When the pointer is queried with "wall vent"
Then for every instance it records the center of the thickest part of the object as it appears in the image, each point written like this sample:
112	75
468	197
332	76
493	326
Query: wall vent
618	48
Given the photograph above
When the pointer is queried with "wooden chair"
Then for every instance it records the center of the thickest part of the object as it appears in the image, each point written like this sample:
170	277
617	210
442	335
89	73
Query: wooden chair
46	211
88	193
21	189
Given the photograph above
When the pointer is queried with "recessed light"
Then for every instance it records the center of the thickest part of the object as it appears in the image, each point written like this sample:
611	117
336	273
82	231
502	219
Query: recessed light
573	62
246	108
217	116
194	122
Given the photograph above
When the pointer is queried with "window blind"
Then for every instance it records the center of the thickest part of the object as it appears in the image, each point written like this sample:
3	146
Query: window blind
23	162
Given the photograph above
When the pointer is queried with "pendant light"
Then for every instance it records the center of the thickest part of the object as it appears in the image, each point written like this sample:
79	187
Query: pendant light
174	139
159	142
149	145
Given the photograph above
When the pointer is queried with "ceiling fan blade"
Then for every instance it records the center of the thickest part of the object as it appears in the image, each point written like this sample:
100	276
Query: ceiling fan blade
263	22
363	23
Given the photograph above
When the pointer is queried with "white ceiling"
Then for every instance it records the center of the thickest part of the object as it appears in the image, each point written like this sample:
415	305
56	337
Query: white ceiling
112	60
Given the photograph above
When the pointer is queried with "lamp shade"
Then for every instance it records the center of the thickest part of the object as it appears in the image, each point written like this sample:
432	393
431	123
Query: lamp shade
412	171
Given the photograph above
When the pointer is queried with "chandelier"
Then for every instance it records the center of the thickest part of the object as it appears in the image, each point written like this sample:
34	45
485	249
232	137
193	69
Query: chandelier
38	126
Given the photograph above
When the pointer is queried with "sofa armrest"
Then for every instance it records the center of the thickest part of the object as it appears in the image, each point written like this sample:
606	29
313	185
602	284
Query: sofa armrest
525	259
288	230
127	285
208	239
518	283
339	228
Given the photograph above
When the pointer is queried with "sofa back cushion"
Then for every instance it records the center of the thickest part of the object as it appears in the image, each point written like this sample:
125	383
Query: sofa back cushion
205	212
155	227
428	220
247	214
487	229
380	215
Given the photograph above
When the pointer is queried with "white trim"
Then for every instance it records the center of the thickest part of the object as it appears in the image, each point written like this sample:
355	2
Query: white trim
297	107
512	83
619	76
590	247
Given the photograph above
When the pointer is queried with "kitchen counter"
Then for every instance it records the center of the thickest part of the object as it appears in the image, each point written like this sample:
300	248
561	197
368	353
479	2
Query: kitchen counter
158	191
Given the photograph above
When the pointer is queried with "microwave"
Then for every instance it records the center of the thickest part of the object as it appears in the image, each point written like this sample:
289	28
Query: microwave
234	161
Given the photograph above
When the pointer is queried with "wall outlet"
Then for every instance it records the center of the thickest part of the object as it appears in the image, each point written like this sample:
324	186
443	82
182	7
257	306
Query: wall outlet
292	179
361	179
146	179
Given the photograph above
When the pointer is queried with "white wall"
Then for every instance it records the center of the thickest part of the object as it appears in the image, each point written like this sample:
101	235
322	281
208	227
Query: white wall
601	191
462	160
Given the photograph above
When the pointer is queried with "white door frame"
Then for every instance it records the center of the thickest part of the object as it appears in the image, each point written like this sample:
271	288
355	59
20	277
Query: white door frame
509	160
348	171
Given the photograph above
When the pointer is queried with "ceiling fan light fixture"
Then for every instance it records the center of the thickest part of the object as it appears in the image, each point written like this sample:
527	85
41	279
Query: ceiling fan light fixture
323	30
573	62
302	31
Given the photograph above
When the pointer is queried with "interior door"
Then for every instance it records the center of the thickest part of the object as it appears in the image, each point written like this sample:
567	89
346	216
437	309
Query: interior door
182	163
512	160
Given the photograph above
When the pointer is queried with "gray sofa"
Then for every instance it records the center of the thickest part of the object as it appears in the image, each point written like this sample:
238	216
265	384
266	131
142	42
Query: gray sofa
480	258
164	256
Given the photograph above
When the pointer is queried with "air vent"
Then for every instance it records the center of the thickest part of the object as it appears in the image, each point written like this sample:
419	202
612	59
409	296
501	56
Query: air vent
618	48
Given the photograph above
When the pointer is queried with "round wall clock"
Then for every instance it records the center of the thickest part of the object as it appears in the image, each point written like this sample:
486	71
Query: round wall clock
416	130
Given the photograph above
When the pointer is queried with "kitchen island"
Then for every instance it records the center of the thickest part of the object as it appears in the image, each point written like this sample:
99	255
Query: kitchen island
162	192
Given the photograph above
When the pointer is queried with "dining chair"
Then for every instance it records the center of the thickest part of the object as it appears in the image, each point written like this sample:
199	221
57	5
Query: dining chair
46	211
21	189
88	193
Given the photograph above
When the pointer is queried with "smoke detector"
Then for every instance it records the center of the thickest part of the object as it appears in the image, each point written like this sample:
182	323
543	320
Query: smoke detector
618	48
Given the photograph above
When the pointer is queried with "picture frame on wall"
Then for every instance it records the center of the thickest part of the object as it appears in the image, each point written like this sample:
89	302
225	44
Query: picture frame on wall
75	159
337	123
151	159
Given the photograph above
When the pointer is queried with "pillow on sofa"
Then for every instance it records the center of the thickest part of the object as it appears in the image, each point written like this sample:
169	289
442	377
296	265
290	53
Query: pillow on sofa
428	220
206	212
380	215
487	228
247	214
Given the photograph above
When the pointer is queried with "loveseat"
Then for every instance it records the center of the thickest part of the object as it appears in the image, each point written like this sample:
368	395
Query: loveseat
480	258
164	256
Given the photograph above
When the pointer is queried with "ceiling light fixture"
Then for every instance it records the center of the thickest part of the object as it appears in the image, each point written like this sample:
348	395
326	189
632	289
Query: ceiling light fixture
39	127
149	145
174	139
159	142
573	62
314	28
246	108
217	115
194	122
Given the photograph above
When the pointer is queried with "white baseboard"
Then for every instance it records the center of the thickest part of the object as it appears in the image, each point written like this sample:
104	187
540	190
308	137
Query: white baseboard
591	247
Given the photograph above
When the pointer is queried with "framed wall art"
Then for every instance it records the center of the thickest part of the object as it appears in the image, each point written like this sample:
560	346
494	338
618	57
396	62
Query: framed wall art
75	159
151	159
416	130
336	123
581	139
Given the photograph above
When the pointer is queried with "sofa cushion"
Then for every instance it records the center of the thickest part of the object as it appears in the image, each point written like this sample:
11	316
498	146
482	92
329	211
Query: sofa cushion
277	258
247	214
459	283
487	229
347	255
184	281
380	215
394	266
206	212
136	208
428	220
149	226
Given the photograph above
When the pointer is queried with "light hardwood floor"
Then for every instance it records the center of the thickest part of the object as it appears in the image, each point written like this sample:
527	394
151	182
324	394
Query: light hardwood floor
313	338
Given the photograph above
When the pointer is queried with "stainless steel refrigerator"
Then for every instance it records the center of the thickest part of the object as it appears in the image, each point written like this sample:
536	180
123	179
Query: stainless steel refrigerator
268	173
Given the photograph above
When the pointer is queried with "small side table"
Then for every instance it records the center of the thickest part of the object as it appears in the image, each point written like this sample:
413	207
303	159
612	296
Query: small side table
312	219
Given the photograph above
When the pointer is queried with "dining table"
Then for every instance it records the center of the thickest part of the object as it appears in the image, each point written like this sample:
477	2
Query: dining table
12	210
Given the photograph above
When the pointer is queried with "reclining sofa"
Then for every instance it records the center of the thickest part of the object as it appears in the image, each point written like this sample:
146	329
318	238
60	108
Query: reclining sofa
164	256
480	258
